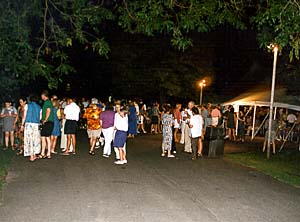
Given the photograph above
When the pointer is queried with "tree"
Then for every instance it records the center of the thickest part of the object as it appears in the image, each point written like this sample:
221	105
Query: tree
36	35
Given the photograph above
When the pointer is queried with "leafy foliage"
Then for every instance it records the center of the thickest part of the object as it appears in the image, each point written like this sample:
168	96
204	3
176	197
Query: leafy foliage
36	35
279	22
177	18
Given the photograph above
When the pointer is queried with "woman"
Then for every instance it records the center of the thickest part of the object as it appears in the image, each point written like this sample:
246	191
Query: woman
154	118
132	121
231	124
196	125
177	121
56	129
19	133
167	122
121	127
9	115
63	137
30	125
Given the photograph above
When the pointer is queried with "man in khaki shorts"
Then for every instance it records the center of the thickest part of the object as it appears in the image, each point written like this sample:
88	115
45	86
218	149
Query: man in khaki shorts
92	114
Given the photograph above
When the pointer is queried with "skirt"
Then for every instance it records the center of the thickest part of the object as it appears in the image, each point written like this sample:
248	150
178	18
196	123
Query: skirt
32	139
120	138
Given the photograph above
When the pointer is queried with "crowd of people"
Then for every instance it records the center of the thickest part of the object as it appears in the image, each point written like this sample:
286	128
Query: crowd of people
34	128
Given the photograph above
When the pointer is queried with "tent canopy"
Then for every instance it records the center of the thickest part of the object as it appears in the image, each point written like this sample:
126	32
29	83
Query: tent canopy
262	98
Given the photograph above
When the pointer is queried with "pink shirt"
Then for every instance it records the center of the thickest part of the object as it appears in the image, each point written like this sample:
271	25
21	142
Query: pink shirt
177	115
216	113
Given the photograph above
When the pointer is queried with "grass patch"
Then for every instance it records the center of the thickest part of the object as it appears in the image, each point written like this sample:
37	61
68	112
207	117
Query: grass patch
5	158
284	166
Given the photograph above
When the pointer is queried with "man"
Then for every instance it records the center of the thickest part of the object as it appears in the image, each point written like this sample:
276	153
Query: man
107	122
71	111
92	114
187	140
47	124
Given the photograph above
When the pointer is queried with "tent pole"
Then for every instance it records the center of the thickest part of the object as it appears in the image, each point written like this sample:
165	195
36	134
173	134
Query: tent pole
253	122
237	121
287	136
262	123
275	50
248	111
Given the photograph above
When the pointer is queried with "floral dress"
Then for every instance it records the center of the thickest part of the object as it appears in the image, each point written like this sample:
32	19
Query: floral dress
167	121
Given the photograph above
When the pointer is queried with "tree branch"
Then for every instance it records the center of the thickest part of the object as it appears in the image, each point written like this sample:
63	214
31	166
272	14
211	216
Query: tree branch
44	31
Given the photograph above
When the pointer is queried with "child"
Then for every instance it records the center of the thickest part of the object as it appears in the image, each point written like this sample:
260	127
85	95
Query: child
121	125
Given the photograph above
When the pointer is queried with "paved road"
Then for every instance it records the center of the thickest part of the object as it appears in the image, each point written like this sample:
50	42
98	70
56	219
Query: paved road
149	188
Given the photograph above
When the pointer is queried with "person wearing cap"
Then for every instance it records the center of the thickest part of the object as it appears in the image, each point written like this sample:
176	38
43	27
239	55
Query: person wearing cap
92	114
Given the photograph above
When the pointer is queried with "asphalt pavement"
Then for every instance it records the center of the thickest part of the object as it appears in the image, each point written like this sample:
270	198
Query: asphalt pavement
88	188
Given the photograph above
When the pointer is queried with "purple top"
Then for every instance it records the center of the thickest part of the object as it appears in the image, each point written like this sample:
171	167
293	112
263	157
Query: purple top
107	118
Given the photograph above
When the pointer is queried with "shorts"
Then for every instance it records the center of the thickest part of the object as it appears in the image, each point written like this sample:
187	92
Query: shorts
47	128
70	127
94	133
120	138
176	124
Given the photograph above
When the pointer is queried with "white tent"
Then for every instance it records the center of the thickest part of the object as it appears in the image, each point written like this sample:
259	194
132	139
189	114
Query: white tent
261	99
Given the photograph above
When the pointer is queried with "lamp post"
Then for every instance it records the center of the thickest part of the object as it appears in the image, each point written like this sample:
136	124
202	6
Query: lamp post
275	51
202	84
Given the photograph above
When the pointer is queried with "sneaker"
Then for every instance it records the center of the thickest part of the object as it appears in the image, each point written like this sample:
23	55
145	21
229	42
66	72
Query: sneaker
124	161
106	156
163	154
119	162
174	152
171	156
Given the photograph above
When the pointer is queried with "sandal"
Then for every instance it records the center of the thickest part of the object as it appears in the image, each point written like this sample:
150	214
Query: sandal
65	154
48	157
41	156
19	153
91	152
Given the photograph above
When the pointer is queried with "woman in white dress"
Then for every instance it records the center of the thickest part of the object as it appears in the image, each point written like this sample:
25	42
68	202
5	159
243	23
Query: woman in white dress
30	125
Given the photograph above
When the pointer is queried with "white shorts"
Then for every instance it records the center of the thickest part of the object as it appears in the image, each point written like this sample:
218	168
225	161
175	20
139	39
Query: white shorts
94	133
176	124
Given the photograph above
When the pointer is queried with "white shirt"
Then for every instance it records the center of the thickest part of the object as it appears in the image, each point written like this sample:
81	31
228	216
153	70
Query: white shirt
137	108
72	111
196	123
121	123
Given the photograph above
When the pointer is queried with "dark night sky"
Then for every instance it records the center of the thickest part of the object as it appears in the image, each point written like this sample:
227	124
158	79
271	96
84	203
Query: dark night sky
232	56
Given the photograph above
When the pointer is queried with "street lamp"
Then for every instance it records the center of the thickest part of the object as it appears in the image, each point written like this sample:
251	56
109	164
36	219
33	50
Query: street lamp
275	51
202	84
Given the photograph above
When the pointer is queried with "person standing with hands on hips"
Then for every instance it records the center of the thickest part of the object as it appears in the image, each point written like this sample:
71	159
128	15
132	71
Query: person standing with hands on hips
71	111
